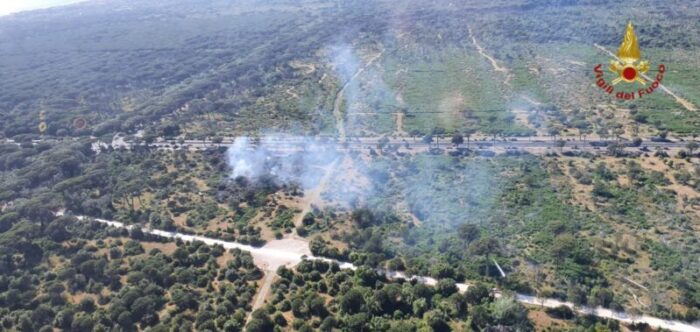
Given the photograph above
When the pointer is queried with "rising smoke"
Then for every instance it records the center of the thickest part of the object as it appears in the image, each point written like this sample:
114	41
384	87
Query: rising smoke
438	191
288	159
367	97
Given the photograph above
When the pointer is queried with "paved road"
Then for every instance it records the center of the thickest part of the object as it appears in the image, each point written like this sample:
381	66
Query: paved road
541	144
409	144
275	254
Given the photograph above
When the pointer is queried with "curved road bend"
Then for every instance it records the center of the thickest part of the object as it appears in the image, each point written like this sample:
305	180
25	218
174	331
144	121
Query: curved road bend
270	255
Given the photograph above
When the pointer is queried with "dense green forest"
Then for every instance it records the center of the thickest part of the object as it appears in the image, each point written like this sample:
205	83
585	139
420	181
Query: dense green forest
527	218
205	69
75	277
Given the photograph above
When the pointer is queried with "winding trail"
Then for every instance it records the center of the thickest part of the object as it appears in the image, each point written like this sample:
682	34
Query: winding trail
494	64
277	252
339	120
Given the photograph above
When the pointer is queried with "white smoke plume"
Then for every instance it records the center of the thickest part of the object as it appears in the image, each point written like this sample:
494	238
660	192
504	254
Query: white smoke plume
367	98
289	159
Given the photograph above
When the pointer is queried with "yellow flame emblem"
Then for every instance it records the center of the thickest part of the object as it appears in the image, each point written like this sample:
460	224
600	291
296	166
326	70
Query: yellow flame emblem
628	54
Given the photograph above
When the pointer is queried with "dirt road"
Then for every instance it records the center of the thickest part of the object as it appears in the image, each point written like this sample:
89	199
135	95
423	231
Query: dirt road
494	64
278	252
263	292
339	119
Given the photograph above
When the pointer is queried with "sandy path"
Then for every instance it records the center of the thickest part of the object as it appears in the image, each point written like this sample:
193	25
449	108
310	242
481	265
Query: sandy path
339	120
308	68
577	63
532	101
493	61
607	313
263	292
687	104
291	93
399	124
